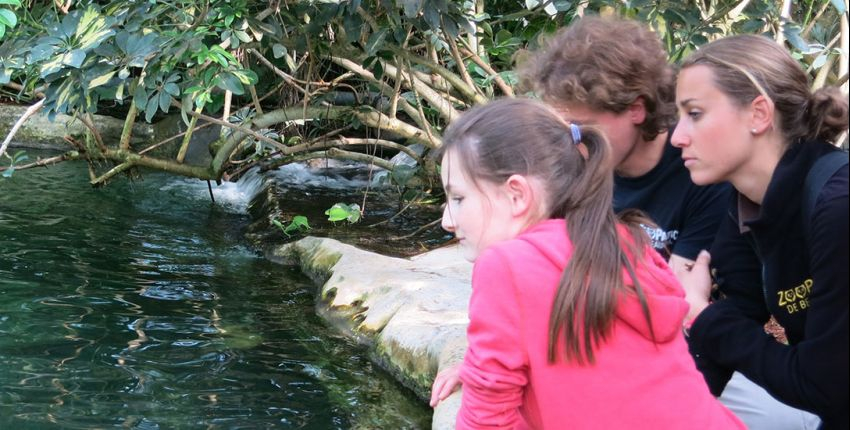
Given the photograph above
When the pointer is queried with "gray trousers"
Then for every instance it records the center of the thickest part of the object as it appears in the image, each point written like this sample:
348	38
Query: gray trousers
761	411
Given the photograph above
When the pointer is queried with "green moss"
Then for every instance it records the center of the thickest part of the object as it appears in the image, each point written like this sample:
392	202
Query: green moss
412	368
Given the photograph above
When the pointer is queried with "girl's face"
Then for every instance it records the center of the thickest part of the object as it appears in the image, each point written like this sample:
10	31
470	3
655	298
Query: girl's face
713	132
479	214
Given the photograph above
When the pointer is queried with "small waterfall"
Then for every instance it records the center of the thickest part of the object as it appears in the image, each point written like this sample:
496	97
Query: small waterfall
232	196
330	174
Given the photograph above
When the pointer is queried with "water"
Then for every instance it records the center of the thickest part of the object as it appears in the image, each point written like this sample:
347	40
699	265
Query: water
139	306
389	225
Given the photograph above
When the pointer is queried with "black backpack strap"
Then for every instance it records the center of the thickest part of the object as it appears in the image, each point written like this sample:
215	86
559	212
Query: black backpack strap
823	169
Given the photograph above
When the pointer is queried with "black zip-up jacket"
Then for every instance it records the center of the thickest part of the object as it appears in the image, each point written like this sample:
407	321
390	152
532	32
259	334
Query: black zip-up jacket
765	265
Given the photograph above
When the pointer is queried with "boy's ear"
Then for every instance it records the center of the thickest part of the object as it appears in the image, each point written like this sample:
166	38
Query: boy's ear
637	111
761	111
521	194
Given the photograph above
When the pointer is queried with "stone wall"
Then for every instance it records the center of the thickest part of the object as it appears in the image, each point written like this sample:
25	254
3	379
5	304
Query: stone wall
411	313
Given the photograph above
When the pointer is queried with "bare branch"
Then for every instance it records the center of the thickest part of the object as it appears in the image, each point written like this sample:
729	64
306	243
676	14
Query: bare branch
101	180
446	74
339	154
503	86
286	77
239	128
345	141
86	119
461	66
43	162
27	114
176	136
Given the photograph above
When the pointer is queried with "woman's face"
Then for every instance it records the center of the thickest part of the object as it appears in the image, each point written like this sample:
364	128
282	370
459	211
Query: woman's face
479	214
713	132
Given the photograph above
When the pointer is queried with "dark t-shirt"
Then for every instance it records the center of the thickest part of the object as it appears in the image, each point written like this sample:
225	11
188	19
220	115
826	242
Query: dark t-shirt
687	215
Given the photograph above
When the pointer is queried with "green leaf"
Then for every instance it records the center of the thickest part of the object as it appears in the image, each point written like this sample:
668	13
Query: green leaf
344	212
792	34
5	74
411	7
8	173
140	97
229	82
820	60
42	52
74	58
150	107
242	36
337	212
301	221
376	40
164	101
15	3
20	156
8	18
278	50
172	88
101	80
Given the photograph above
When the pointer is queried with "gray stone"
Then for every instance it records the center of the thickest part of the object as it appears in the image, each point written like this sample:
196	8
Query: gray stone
412	313
39	132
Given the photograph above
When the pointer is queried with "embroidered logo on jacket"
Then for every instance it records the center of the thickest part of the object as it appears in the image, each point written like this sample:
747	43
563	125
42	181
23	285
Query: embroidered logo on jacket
797	298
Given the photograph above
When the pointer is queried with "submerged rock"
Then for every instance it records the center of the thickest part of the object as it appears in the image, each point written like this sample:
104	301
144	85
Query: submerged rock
411	313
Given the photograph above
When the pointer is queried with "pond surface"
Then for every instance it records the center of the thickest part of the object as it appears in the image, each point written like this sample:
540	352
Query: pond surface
140	306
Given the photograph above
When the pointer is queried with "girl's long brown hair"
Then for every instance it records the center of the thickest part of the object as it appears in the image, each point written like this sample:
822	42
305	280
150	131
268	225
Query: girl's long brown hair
526	137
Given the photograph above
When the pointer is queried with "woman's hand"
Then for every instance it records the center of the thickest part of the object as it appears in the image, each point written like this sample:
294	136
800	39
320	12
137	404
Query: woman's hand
446	383
697	284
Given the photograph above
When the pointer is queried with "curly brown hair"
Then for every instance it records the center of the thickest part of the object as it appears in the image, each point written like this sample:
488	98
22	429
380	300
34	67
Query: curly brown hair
605	64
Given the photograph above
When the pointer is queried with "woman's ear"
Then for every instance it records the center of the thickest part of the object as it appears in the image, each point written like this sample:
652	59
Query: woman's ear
761	111
522	195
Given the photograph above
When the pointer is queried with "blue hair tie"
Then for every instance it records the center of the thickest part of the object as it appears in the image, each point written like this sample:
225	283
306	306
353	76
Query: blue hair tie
576	134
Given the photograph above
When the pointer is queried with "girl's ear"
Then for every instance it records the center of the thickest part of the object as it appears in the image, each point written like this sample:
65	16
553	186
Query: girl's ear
522	195
761	115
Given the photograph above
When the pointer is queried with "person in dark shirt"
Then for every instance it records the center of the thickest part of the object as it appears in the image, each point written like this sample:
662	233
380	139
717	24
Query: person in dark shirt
614	73
747	116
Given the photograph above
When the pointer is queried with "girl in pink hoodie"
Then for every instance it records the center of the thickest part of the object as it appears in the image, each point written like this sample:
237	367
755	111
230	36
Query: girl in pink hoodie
575	321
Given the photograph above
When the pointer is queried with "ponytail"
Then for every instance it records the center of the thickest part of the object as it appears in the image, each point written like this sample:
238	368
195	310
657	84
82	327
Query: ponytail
585	303
527	137
827	114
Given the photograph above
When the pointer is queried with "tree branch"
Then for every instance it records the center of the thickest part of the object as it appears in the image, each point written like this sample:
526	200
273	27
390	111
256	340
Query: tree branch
453	79
14	130
438	102
503	86
41	162
339	154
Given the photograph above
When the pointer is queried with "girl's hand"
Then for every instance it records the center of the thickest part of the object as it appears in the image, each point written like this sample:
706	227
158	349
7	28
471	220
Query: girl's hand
697	284
446	383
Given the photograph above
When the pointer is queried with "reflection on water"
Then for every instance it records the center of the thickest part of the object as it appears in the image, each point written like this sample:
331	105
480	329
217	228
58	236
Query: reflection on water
135	306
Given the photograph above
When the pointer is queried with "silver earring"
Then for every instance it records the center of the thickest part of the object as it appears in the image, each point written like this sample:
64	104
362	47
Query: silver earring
754	131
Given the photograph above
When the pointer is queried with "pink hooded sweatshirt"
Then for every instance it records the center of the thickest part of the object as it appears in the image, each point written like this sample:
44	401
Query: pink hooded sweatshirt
635	383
